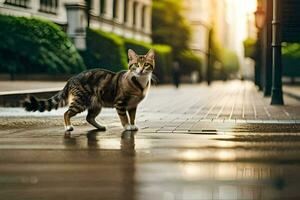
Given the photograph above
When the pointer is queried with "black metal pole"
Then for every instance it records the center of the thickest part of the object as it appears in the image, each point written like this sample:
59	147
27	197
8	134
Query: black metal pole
276	96
258	61
267	48
209	59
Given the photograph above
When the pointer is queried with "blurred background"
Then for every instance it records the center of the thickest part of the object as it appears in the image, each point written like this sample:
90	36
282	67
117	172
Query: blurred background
200	40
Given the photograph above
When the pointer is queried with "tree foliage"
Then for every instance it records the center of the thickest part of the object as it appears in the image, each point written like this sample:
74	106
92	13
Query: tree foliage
191	61
169	25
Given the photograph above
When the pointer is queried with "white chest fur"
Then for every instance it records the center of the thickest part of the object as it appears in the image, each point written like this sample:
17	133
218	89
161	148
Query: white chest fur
145	82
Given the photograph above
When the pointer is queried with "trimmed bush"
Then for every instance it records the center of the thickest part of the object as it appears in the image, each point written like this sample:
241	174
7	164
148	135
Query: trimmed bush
291	59
249	47
30	45
163	56
104	50
189	62
230	62
139	47
164	61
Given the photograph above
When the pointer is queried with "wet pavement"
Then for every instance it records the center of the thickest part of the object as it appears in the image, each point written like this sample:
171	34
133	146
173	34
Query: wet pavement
188	147
94	165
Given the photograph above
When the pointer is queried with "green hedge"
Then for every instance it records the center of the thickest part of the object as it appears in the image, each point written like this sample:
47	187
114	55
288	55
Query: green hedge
163	56
249	47
230	62
139	47
226	66
104	50
30	45
164	61
291	59
189	62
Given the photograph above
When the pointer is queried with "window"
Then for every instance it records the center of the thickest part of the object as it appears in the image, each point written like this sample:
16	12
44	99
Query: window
102	6
48	6
19	3
115	9
135	6
125	10
144	16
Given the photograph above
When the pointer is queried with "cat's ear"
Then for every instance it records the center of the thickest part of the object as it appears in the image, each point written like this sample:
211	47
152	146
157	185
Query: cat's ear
151	54
131	54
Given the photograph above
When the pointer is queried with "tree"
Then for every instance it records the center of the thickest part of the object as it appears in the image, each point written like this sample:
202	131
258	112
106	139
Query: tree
169	25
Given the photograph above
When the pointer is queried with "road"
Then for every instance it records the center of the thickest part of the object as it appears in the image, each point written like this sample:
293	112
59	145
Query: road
198	142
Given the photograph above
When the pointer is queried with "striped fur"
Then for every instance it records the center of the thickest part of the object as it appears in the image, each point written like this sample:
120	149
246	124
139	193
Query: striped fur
33	104
96	88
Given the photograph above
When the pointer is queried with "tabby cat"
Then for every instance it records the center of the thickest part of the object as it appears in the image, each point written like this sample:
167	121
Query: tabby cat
97	88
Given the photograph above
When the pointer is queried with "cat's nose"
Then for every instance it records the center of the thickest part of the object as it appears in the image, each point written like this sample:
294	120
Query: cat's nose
138	71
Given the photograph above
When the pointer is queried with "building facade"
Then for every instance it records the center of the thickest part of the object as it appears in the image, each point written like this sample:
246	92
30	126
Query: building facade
198	16
126	18
231	20
197	13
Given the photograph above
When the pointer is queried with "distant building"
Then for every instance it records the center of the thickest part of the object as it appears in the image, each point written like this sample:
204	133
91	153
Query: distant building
126	18
231	20
197	13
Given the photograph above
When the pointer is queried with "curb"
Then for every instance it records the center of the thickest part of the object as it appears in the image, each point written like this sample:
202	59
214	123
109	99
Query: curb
293	95
14	98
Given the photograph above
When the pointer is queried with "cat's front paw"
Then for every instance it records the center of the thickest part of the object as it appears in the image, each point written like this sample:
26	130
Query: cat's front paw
69	128
130	127
134	128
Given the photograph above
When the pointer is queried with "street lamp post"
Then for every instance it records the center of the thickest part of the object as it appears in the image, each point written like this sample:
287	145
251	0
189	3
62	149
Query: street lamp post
276	96
267	48
259	23
209	58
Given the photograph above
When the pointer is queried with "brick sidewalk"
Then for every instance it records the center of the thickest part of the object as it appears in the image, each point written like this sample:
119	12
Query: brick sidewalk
224	106
193	107
260	159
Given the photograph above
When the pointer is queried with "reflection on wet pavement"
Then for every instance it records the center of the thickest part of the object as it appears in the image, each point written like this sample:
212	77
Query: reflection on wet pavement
219	142
97	165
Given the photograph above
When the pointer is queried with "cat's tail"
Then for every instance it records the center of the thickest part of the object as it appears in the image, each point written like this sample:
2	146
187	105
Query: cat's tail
33	104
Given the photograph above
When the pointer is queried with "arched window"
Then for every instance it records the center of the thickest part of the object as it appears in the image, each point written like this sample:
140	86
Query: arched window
125	10
102	6
135	7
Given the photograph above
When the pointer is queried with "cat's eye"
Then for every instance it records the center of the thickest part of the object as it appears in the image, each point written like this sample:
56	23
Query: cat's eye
148	66
133	67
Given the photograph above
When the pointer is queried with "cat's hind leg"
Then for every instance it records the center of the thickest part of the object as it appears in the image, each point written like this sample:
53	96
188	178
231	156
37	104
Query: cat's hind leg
67	116
76	106
91	118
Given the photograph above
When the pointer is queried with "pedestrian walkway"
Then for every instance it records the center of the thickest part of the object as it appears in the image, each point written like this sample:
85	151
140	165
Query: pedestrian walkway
9	86
191	108
292	91
198	142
